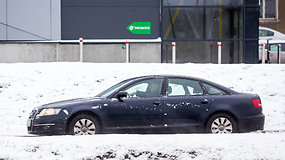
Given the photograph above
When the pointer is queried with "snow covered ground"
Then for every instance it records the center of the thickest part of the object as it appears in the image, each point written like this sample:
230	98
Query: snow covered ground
24	86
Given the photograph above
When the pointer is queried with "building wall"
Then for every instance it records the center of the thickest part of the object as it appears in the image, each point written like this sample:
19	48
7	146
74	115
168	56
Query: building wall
108	19
280	25
30	20
100	53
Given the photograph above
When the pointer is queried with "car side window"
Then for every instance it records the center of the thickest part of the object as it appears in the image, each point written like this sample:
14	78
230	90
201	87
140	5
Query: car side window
213	90
145	88
274	47
183	87
265	33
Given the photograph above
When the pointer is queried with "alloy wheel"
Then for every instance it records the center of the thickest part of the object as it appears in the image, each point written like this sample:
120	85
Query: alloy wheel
84	127
221	125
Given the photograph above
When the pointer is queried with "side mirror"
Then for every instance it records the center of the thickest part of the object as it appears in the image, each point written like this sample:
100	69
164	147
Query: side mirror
121	95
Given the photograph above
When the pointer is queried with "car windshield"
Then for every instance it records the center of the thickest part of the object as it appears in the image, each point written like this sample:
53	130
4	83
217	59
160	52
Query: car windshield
110	90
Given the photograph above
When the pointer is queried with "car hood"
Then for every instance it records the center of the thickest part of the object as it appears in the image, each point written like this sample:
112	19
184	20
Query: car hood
71	102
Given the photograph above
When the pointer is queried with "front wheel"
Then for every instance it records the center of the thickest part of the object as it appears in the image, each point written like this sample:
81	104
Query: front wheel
220	124
84	125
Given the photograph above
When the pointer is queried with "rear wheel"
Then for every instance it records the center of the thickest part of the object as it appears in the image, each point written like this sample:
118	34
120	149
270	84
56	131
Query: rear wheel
84	124
221	124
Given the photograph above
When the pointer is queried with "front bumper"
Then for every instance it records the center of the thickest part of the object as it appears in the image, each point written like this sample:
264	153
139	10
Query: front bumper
252	123
47	125
41	129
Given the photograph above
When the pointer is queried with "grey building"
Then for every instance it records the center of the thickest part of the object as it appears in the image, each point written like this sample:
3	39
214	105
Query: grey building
195	25
30	20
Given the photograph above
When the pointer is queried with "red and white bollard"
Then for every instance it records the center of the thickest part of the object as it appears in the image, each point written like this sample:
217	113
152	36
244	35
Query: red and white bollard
81	49
173	52
219	52
127	52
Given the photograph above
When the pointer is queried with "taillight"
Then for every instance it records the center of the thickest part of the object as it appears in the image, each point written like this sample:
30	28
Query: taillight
257	103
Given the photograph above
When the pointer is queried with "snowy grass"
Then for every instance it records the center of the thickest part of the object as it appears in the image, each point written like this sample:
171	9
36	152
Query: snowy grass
24	86
182	147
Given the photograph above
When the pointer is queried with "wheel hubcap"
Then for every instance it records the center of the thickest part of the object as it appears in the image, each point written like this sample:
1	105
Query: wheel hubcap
84	127
221	125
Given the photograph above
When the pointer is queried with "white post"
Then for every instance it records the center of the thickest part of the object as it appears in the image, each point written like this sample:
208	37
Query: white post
219	52
127	52
81	49
279	54
263	53
57	52
173	52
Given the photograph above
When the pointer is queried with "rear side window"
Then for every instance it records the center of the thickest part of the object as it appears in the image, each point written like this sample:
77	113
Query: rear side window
213	90
183	87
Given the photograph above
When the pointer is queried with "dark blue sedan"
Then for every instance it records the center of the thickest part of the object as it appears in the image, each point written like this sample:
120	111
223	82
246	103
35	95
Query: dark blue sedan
148	104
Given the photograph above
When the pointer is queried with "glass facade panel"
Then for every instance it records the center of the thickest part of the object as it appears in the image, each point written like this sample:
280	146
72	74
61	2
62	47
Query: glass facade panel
202	23
204	52
198	25
223	23
183	2
224	2
201	2
183	23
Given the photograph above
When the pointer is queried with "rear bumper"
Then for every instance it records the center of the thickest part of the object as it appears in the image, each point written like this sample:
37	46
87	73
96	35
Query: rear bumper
252	123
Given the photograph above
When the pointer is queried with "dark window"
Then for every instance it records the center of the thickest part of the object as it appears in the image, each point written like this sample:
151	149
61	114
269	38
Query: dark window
268	9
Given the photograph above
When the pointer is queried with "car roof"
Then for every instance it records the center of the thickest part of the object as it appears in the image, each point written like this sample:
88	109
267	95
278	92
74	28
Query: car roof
166	76
187	77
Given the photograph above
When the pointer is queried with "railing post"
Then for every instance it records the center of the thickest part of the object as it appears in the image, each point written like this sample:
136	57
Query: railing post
127	52
173	52
263	53
279	54
81	49
219	52
268	51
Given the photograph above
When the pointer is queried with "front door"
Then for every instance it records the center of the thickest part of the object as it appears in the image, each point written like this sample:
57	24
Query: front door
141	109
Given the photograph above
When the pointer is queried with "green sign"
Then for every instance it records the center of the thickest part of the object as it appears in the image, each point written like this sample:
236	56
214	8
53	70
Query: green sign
140	28
124	46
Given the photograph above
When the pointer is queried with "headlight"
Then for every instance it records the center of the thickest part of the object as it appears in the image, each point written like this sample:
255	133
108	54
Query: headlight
49	112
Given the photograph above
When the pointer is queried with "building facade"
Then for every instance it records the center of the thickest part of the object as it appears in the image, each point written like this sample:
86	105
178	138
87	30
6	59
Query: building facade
195	25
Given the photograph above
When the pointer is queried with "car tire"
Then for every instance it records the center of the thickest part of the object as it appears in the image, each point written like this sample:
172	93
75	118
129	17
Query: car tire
84	124
221	123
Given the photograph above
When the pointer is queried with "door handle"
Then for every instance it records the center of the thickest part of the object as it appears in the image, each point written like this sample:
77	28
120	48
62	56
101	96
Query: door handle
205	101
156	103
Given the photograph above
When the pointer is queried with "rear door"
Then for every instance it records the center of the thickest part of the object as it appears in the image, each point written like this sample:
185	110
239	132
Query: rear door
185	103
